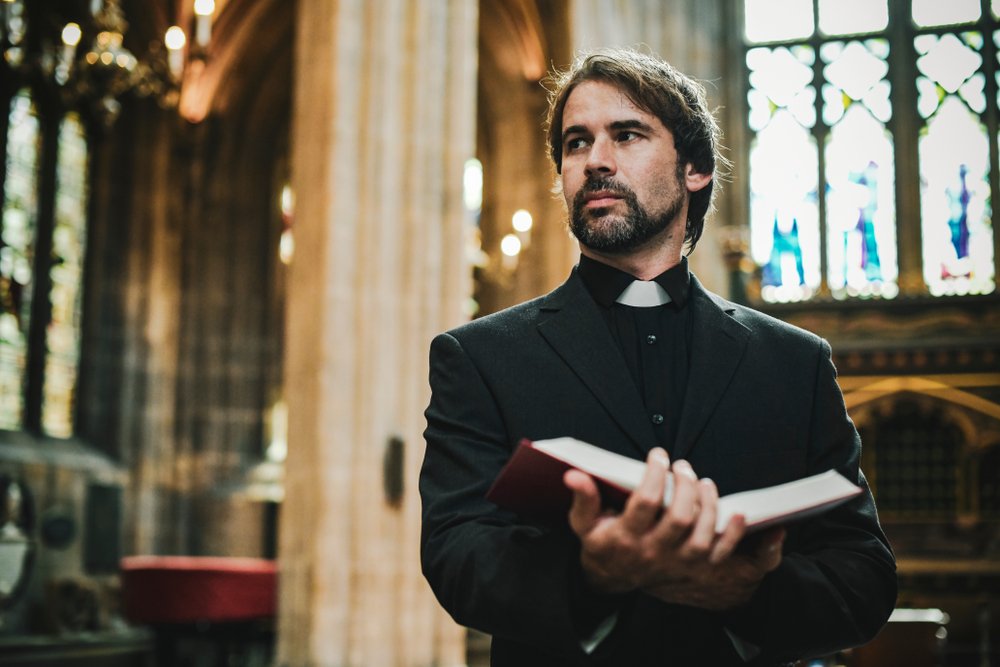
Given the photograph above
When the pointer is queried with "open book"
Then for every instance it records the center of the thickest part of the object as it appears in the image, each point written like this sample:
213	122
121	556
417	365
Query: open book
531	484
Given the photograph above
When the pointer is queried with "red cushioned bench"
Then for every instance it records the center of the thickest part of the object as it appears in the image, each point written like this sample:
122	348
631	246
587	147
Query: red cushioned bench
203	605
187	589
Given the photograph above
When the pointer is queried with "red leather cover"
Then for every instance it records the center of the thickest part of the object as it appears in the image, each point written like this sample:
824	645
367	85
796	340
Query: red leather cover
531	484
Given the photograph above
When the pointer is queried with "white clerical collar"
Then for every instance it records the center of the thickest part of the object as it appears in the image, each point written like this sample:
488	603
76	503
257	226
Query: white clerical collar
643	294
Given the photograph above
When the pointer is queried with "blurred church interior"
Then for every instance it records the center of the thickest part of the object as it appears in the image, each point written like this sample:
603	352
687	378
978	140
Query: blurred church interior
230	229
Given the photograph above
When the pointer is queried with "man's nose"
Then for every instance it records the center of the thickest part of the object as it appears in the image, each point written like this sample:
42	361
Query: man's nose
600	159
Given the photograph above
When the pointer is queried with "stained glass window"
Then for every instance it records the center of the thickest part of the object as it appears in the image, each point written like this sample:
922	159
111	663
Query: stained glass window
17	241
778	20
825	137
41	265
68	244
954	150
937	12
860	173
784	201
845	17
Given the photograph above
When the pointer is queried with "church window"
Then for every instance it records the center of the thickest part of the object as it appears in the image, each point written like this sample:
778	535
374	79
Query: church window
66	277
41	266
17	244
839	92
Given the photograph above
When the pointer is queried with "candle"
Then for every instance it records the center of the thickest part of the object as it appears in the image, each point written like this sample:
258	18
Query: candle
175	40
203	10
71	34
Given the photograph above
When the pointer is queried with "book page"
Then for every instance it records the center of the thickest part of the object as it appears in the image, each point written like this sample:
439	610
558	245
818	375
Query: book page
785	500
614	468
761	507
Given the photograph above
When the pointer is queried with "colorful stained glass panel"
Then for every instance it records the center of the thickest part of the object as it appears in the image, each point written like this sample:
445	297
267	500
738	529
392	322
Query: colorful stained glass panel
845	17
784	219
784	214
950	59
957	229
778	20
781	78
860	208
939	12
17	242
853	68
63	339
973	91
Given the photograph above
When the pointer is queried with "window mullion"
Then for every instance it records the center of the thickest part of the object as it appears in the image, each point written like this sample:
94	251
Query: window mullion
41	308
820	133
991	117
905	123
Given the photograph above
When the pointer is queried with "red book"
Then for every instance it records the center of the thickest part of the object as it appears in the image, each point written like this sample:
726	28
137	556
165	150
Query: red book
531	484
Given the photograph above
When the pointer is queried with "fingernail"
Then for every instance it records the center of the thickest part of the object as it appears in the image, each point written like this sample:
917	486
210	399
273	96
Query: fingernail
659	455
684	468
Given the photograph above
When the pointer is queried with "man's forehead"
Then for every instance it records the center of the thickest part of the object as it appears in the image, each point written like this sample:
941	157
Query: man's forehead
592	97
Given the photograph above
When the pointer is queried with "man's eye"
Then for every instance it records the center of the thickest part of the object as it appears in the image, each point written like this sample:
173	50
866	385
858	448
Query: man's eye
574	144
627	135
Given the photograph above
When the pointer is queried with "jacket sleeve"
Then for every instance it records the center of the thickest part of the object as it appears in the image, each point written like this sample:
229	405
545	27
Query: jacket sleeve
836	585
488	571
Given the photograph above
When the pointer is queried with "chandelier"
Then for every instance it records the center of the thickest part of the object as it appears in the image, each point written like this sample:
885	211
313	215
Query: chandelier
88	62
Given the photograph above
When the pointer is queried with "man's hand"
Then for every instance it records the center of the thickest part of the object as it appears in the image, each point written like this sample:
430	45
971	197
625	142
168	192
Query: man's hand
726	584
673	554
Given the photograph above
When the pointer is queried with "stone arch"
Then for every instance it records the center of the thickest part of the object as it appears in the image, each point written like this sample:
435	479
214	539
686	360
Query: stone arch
916	444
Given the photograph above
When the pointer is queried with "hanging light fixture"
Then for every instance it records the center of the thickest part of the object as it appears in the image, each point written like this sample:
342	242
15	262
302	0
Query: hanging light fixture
90	63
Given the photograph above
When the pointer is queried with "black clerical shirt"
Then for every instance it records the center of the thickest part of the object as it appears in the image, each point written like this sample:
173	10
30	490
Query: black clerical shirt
655	342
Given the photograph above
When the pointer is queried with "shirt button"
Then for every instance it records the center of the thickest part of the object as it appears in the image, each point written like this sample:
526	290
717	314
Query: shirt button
657	418
651	340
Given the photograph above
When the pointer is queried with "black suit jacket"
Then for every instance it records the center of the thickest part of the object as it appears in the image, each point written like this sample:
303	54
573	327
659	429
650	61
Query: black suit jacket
762	407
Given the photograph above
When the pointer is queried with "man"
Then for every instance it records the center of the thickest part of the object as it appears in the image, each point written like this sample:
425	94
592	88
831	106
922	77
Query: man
634	355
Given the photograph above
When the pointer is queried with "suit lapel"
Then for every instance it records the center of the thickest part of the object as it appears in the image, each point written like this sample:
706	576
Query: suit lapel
571	323
718	344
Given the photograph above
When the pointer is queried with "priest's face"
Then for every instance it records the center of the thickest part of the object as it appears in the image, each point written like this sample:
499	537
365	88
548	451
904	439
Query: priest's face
621	178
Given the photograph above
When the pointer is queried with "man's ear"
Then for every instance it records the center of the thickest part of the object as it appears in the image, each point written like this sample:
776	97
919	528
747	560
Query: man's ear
695	180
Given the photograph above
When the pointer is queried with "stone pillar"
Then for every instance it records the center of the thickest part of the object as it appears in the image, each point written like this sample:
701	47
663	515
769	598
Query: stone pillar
384	112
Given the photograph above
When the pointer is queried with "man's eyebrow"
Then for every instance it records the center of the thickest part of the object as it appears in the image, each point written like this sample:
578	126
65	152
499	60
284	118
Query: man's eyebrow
573	129
631	125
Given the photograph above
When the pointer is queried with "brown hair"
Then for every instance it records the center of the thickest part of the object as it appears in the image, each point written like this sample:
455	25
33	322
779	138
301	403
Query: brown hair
658	88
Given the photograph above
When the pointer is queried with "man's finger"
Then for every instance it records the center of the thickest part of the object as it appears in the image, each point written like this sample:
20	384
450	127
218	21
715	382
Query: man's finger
702	537
682	513
731	536
768	554
586	507
646	502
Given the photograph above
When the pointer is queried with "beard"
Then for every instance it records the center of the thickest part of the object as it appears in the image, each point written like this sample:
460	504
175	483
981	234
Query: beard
602	230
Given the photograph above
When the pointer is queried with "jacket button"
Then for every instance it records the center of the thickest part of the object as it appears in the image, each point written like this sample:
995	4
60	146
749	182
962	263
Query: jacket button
657	418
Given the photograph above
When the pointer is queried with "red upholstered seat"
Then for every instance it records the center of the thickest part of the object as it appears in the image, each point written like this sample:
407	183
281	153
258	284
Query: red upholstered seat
185	589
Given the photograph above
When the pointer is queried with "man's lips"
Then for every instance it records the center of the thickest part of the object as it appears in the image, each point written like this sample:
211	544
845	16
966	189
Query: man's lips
601	199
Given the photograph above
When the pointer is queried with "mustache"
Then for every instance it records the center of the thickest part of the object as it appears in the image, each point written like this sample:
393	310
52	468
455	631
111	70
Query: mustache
604	184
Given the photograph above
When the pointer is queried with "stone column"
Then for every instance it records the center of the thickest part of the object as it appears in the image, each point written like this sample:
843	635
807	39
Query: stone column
384	112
